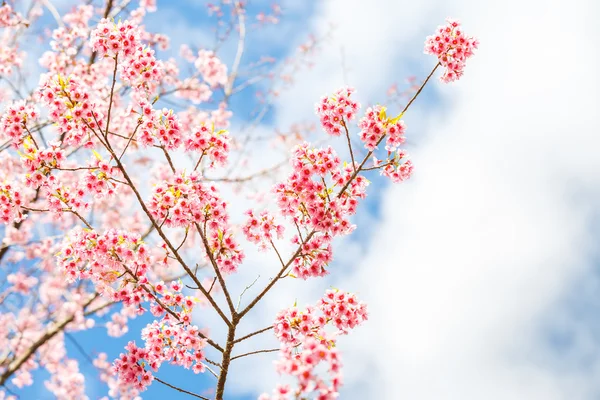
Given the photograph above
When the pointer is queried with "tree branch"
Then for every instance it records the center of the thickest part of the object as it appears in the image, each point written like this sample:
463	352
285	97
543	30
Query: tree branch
248	336
179	389
254	352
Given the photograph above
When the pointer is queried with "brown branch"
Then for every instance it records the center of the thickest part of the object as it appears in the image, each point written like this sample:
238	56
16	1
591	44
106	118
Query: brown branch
225	362
250	177
166	308
112	92
248	336
179	389
420	88
254	352
129	140
349	144
215	266
168	157
99	308
166	239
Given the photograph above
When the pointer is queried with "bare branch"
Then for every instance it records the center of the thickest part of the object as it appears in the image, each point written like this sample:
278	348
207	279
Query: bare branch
254	352
248	336
180	389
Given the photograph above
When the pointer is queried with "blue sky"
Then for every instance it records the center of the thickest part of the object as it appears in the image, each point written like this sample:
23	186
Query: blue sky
482	271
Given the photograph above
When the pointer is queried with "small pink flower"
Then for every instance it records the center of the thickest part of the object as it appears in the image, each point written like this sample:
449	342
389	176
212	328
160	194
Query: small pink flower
336	110
452	48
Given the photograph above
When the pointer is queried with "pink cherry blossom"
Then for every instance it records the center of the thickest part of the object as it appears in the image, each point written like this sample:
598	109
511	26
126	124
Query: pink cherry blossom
262	229
210	142
14	121
111	39
337	110
452	48
213	71
306	342
375	125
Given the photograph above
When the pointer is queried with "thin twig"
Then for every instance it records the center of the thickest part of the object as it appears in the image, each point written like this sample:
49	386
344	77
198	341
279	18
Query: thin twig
248	336
166	308
213	262
168	157
112	92
349	144
180	389
254	352
244	291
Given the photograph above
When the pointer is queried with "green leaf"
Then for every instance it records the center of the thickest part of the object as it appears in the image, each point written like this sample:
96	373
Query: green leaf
382	114
397	118
25	155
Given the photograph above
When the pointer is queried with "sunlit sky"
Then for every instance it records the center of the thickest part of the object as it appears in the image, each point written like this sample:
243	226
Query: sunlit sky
481	272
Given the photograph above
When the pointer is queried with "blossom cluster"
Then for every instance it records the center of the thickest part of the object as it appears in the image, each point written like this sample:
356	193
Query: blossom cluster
8	17
213	71
452	48
111	39
104	258
142	70
310	201
39	163
13	123
164	341
11	200
183	200
306	343
292	326
80	16
262	228
71	108
165	126
375	125
343	309
59	194
66	381
162	124
172	297
117	389
336	110
21	283
194	90
10	57
304	366
97	181
66	38
208	141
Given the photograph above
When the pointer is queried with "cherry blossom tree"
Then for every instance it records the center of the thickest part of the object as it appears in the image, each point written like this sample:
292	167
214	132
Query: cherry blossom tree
93	236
